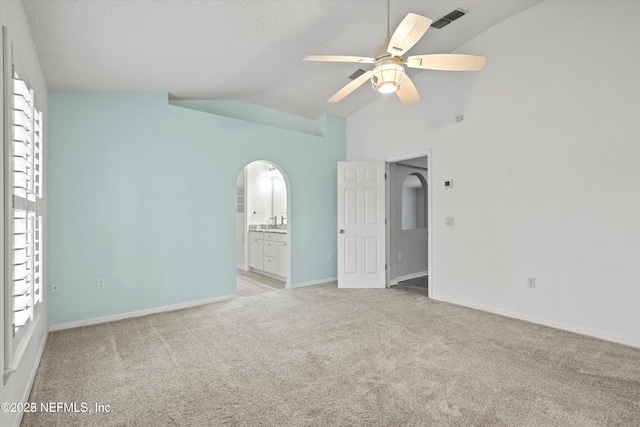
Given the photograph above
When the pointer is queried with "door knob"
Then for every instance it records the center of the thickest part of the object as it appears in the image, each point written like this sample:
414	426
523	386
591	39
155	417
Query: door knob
341	231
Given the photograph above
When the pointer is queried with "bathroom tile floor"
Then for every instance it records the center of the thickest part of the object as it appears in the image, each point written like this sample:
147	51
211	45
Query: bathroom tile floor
417	284
250	283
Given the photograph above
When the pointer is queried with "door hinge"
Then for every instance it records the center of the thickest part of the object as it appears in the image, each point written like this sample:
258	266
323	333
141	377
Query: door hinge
385	175
385	266
385	221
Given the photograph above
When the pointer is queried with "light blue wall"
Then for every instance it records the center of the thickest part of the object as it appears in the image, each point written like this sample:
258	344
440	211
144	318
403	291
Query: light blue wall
254	113
142	195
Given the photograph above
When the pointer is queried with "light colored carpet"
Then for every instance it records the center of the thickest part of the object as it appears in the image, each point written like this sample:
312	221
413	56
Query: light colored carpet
323	356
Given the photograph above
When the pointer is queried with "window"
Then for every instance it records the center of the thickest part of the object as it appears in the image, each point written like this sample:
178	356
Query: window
23	222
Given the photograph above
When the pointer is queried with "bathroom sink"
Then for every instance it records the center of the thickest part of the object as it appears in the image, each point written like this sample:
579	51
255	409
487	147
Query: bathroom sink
270	230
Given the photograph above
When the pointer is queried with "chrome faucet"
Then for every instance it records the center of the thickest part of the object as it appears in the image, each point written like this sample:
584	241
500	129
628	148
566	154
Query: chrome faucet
275	220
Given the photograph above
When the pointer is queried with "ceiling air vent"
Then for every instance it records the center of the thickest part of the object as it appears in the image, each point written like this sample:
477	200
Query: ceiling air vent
357	74
448	19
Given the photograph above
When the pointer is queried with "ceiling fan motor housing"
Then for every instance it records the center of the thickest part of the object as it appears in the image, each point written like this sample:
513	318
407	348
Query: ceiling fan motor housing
381	51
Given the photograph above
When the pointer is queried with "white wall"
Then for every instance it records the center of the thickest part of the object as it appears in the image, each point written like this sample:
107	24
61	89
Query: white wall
241	210
545	164
258	193
279	197
409	208
18	385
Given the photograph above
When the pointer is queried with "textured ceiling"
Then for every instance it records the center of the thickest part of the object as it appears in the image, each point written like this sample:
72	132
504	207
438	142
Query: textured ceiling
245	50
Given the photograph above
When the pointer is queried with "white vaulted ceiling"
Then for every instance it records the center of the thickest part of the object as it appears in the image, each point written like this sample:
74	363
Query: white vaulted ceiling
244	50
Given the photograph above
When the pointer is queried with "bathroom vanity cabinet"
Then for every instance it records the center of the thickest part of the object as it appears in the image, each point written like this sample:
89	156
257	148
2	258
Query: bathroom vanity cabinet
269	253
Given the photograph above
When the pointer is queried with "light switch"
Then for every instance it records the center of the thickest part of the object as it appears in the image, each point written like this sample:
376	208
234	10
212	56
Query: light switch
449	221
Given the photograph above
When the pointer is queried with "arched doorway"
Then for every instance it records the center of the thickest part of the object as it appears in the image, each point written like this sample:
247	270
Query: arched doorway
262	228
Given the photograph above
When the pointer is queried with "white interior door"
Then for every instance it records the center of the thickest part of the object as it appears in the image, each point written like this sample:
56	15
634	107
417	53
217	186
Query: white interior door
361	227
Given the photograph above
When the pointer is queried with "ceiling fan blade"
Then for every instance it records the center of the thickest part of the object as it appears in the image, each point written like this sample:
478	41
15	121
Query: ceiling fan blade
407	92
350	87
447	62
339	58
410	30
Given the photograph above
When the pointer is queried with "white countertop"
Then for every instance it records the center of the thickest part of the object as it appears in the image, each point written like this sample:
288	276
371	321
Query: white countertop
270	230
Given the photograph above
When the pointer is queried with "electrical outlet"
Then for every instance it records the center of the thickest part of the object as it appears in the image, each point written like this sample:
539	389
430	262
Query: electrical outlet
449	221
399	256
55	288
100	284
328	257
531	282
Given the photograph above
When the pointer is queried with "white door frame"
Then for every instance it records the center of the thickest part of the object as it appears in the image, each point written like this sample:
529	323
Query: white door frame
430	187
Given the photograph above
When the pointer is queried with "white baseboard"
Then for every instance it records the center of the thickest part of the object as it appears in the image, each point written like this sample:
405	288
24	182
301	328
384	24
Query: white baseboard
395	281
553	324
34	368
311	283
138	313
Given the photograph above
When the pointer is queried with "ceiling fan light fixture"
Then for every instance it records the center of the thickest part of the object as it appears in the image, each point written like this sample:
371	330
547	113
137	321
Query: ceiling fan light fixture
387	77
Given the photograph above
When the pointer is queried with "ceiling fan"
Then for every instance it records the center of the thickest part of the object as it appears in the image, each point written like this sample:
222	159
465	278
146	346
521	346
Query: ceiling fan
388	74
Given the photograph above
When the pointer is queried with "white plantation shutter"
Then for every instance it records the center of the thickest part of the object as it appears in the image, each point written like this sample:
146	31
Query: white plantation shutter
22	174
24	221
